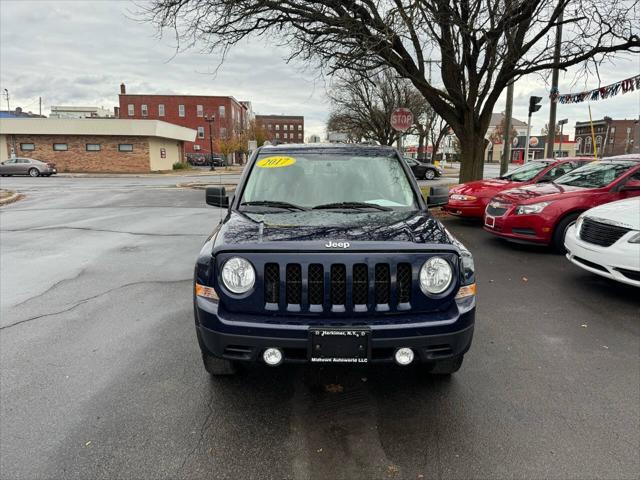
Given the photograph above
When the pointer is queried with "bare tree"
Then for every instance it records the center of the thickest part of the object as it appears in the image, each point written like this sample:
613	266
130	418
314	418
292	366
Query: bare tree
361	106
482	45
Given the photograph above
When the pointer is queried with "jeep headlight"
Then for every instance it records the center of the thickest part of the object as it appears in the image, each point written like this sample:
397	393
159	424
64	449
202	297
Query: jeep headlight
238	275
435	276
533	208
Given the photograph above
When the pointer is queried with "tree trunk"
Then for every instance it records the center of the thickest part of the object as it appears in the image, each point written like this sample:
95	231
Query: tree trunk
472	156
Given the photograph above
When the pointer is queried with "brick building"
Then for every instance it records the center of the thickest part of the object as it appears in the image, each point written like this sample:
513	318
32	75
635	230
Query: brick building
95	145
189	111
612	137
282	128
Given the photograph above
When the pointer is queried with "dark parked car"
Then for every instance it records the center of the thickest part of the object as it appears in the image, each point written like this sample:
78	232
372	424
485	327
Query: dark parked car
425	171
328	254
26	166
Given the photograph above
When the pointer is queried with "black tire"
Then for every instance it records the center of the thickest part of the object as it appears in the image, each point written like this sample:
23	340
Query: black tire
557	240
447	367
34	172
218	367
429	174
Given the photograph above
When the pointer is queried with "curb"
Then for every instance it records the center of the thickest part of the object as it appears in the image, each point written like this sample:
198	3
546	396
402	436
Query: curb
13	198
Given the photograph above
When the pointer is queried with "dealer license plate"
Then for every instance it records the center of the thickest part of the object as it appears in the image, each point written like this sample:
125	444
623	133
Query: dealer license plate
490	221
339	345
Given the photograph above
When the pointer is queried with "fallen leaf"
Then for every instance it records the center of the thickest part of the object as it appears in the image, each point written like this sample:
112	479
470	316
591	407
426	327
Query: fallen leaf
392	470
334	388
88	443
584	325
605	347
525	279
319	450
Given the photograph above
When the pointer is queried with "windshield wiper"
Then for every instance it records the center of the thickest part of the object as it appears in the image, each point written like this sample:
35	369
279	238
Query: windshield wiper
351	205
273	203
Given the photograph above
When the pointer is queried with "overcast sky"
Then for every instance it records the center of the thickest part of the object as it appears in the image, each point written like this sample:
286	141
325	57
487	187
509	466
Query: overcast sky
78	52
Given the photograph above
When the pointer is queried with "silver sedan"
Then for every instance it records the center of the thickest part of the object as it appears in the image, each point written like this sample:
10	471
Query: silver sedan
26	166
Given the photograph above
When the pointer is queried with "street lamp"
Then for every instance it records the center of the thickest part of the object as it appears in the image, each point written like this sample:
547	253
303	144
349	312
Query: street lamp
210	119
562	124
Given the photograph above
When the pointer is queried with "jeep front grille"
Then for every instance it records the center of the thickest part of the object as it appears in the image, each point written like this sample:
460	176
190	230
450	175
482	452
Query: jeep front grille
337	287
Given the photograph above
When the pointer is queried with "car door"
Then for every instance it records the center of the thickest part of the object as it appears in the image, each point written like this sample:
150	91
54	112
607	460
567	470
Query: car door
9	167
22	166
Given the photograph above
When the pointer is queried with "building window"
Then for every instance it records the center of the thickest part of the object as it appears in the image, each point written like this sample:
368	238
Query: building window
199	111
161	110
277	127
613	130
60	147
285	127
598	141
145	110
587	145
578	144
131	109
221	111
27	147
223	132
269	126
200	132
290	127
285	135
125	147
299	135
181	110
299	127
92	147
277	135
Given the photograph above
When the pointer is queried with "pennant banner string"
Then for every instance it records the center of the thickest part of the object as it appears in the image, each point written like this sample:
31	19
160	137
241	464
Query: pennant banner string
623	86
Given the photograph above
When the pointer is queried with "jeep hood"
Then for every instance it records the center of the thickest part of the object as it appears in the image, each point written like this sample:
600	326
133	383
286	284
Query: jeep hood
312	230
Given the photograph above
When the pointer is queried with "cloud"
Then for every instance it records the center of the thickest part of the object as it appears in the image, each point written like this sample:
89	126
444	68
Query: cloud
78	52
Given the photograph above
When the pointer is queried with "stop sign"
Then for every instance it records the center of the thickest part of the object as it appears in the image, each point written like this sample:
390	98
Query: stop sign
401	119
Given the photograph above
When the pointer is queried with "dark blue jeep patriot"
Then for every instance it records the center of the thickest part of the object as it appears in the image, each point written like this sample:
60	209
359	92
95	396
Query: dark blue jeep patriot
328	254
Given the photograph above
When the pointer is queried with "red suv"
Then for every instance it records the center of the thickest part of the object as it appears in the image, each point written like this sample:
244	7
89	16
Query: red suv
470	199
542	213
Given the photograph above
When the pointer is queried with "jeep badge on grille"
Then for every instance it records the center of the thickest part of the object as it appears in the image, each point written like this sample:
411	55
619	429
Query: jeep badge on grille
337	244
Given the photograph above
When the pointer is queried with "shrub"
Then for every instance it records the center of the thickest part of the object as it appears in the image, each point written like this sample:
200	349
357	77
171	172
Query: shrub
181	166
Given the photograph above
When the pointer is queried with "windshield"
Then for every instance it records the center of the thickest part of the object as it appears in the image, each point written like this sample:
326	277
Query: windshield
303	180
526	172
595	174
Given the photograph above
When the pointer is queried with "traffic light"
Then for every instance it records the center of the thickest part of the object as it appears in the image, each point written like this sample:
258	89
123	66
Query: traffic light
534	104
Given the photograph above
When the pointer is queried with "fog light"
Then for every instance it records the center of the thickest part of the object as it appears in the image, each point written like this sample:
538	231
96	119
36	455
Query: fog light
272	356
404	356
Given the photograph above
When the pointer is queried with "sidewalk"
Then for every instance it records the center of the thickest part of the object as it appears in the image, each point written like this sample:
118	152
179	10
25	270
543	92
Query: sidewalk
192	172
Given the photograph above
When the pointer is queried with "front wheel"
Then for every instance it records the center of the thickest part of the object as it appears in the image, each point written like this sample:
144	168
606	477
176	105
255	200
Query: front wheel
34	172
557	241
446	367
429	174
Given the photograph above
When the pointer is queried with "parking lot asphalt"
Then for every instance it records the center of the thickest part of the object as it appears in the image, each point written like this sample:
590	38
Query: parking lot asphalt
100	374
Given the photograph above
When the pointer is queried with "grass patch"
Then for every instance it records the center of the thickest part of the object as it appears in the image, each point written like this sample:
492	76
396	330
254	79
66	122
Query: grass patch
181	166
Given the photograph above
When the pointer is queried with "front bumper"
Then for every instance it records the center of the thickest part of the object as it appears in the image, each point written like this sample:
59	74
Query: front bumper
465	209
535	228
618	262
432	337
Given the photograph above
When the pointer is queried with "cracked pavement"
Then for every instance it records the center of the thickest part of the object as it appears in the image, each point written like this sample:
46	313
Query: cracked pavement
100	375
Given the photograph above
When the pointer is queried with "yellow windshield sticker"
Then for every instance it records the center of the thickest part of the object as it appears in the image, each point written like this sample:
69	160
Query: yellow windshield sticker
276	162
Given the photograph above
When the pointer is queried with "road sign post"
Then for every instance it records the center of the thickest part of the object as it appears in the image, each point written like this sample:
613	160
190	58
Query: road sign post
401	121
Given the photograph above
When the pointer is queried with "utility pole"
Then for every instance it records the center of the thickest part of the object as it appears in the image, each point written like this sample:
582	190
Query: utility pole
551	134
210	119
606	135
506	151
40	106
534	106
6	92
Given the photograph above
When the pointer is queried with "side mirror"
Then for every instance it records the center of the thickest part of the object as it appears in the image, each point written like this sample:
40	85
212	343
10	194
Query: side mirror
217	197
631	186
438	196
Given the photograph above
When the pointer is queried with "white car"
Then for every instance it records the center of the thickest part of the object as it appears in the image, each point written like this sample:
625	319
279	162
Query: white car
606	241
